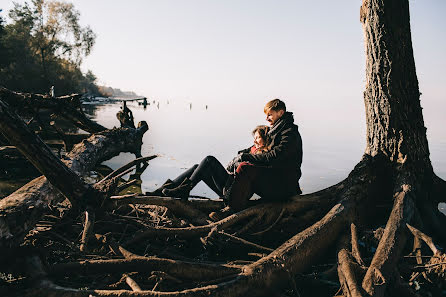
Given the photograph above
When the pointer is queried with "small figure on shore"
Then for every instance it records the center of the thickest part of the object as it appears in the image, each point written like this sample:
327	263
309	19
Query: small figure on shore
125	117
51	92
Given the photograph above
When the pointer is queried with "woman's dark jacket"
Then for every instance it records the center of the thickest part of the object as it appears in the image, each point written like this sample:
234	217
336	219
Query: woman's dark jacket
285	147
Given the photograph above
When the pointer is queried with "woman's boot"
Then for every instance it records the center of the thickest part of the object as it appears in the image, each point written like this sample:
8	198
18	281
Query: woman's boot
182	191
159	192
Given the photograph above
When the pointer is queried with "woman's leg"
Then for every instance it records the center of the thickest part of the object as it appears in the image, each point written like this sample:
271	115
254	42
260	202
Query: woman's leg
186	174
212	172
170	184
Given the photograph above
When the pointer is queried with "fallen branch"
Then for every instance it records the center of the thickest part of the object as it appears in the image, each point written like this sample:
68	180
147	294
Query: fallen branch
89	217
177	206
132	284
245	242
183	269
189	232
355	248
427	239
127	166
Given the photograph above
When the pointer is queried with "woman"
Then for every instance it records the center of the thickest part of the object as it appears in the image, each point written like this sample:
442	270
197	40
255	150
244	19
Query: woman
211	171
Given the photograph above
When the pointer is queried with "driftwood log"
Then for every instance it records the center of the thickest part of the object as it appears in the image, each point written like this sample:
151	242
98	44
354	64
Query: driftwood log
20	210
69	107
362	237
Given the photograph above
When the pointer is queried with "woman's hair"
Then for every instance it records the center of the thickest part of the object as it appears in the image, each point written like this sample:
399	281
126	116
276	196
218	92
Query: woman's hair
263	132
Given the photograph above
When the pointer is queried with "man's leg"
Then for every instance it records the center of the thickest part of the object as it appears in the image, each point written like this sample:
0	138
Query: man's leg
241	190
275	184
269	184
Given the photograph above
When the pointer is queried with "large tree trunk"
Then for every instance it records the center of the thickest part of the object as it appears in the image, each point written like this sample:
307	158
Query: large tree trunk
395	125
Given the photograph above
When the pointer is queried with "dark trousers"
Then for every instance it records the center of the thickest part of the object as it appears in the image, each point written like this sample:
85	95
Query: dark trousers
210	170
271	184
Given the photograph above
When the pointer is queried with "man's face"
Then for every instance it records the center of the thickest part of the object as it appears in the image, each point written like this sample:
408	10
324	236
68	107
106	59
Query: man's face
272	116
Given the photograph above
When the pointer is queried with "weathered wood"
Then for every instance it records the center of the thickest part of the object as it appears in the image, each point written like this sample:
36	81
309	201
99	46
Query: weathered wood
132	283
187	270
355	248
388	252
427	239
20	210
348	275
41	156
68	107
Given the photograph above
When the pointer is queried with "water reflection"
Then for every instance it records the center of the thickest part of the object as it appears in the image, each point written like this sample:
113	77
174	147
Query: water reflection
182	136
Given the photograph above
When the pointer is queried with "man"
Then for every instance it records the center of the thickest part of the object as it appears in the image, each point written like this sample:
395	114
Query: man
274	174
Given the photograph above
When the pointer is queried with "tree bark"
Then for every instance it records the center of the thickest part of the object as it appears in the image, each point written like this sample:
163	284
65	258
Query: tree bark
395	125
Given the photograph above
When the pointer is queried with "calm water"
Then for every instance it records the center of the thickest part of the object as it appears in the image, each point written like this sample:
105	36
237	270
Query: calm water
183	134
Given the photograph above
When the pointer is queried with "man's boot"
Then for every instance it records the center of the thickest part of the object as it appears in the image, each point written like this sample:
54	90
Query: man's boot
182	191
168	184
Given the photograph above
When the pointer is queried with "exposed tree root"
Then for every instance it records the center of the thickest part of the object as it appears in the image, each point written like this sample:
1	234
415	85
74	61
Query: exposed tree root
390	246
182	269
348	274
199	230
187	209
355	249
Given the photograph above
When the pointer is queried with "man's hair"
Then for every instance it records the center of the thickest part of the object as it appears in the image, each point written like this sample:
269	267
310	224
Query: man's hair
275	105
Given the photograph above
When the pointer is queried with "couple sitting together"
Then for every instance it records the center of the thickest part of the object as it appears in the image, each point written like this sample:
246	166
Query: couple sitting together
270	168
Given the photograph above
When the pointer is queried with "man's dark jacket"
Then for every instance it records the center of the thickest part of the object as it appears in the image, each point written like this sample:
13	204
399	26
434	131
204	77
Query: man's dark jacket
285	147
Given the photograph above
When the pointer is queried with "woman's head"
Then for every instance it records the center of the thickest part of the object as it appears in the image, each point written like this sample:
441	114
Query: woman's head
260	134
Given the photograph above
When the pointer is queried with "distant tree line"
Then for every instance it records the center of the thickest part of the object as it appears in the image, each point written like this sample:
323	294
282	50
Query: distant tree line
43	45
109	91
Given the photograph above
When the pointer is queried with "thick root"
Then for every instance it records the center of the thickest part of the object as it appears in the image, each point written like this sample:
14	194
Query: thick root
348	274
200	230
390	246
182	269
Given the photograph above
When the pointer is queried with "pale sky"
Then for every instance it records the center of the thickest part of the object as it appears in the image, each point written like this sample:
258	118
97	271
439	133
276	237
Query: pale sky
203	49
308	53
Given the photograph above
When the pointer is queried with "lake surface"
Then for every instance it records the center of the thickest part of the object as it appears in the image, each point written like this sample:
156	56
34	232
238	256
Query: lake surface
183	133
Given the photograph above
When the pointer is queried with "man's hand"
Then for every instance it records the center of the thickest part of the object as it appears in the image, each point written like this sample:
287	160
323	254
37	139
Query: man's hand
246	157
